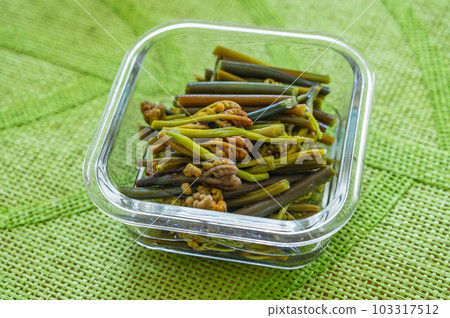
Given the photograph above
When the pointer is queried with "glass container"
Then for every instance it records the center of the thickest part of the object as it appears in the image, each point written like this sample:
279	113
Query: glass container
156	68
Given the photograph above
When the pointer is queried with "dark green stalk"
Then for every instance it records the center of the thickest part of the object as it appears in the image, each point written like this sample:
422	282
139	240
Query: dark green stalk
151	193
301	89
203	100
208	74
272	110
226	53
159	124
268	160
239	88
149	181
323	117
267	207
306	75
147	162
165	180
258	195
294	120
298	168
248	187
312	94
288	160
304	207
261	71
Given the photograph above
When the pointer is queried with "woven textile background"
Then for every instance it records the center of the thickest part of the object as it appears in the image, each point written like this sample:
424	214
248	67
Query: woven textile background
56	68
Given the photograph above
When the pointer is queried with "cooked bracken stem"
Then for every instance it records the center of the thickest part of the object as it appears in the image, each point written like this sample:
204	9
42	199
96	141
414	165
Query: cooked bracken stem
225	76
312	94
223	52
151	193
296	158
203	100
260	71
268	160
306	165
304	207
178	148
248	187
147	162
267	207
323	117
232	87
272	110
261	194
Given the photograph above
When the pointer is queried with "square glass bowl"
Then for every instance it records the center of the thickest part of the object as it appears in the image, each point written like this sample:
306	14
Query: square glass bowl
157	68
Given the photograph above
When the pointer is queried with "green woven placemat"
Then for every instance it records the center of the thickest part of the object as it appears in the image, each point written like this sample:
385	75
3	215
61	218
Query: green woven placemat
57	67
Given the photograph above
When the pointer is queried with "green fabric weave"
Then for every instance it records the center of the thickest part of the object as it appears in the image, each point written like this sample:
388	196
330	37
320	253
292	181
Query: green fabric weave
57	66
